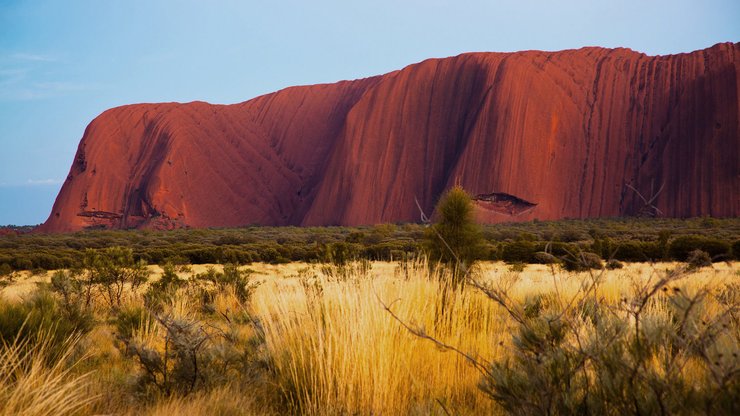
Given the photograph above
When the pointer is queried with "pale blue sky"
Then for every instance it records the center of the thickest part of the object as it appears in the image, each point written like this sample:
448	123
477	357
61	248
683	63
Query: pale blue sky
64	62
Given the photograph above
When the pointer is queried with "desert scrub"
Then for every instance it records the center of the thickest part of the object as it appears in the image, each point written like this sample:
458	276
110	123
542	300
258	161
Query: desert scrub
664	348
41	314
198	337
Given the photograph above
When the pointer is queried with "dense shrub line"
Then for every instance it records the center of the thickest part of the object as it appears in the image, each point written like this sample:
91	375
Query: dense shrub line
620	239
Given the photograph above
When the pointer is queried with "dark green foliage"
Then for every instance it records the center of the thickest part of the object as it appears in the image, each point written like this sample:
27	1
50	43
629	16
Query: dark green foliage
129	320
113	270
581	261
681	247
614	264
542	257
637	251
517	267
39	314
633	239
230	278
519	252
455	239
339	253
5	269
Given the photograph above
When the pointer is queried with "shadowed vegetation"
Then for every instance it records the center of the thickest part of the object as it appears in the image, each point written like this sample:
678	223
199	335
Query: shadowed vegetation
626	239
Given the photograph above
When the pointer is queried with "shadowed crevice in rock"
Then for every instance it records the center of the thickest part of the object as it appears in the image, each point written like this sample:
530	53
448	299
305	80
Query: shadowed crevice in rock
504	203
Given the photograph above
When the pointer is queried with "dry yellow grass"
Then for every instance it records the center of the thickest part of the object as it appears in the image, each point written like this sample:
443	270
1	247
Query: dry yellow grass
29	386
333	349
337	350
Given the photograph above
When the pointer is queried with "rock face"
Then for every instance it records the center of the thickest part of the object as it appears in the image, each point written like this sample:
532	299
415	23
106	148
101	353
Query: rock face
580	133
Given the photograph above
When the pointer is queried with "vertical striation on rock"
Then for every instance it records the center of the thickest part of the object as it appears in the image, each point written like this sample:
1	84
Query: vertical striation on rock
580	133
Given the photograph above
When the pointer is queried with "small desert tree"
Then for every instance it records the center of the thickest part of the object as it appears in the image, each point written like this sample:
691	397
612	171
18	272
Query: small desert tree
114	269
455	239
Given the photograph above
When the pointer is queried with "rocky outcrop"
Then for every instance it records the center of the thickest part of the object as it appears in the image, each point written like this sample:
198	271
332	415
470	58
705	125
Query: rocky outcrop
580	133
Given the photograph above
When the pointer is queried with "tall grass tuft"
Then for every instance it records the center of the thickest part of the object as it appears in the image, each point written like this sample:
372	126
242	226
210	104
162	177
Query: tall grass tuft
33	385
335	350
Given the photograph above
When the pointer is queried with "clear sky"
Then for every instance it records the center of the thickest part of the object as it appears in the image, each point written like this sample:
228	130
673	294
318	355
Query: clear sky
64	62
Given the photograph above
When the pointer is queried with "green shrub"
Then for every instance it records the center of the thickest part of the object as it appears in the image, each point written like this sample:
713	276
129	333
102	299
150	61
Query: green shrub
680	248
698	259
192	361
581	261
231	277
164	288
113	270
542	257
517	267
22	263
455	240
614	264
519	252
637	251
5	269
41	313
130	319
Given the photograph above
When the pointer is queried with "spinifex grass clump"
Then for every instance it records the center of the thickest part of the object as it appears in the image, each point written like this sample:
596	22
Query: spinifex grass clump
37	378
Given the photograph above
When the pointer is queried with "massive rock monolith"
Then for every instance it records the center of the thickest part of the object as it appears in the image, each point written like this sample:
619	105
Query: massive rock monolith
580	133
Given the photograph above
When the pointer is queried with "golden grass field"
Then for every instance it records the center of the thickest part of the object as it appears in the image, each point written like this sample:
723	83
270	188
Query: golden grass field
329	345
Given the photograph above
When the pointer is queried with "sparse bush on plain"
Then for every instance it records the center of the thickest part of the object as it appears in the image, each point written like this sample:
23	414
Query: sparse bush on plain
614	264
698	259
166	287
581	261
542	257
113	270
626	239
455	239
587	358
231	277
41	314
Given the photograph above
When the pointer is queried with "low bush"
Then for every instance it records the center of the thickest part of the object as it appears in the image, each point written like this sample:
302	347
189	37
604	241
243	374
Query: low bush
42	313
581	261
698	259
519	252
636	251
614	264
681	247
542	257
230	278
591	359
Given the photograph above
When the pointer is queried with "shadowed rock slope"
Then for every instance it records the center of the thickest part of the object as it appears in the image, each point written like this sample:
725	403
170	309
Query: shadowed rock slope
580	133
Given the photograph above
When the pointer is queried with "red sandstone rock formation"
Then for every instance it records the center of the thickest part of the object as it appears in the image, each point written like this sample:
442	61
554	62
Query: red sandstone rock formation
580	133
